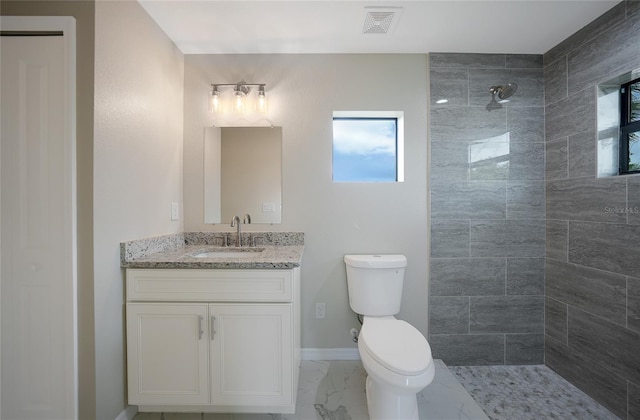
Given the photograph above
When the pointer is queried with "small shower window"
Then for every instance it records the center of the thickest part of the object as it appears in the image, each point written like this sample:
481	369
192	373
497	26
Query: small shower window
630	127
368	147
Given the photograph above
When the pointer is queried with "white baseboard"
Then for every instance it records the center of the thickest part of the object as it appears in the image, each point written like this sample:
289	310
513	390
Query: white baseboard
329	354
128	413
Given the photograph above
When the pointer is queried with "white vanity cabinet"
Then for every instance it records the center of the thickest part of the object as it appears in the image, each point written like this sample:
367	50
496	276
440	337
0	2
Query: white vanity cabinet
213	340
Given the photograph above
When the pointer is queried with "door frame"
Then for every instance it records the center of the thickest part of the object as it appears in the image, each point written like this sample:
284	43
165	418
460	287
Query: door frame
67	25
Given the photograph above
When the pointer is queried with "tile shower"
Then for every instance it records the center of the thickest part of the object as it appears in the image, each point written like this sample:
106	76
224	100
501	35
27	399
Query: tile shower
487	211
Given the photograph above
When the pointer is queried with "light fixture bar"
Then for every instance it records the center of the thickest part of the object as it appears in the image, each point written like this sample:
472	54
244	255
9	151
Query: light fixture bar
241	91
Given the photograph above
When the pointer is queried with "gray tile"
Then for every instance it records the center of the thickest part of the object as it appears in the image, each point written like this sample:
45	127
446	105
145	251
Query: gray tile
633	195
633	9
555	320
526	200
582	155
633	392
614	346
469	350
525	124
574	114
592	30
466	60
605	246
507	238
557	166
530	86
449	315
489	160
588	199
464	200
587	374
526	161
633	303
555	81
557	239
449	83
611	53
524	61
467	276
506	314
524	349
525	276
449	161
598	292
464	123
449	238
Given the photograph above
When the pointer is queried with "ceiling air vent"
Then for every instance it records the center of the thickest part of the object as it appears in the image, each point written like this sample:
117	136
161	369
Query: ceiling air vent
379	20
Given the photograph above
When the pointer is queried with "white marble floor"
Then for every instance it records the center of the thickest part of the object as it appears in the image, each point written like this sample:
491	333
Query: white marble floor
335	391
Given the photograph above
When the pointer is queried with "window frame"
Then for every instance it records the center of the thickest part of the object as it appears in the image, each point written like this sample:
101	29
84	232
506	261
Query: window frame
626	127
397	118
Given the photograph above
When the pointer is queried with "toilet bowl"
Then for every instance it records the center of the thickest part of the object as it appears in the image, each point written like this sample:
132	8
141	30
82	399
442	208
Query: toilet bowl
398	362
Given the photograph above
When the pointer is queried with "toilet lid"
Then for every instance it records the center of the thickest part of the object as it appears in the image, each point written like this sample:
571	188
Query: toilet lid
396	344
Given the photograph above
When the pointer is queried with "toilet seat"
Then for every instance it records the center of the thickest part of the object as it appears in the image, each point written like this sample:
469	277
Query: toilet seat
396	345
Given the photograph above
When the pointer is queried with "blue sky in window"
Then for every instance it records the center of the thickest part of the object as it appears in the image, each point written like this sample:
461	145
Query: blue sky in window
364	150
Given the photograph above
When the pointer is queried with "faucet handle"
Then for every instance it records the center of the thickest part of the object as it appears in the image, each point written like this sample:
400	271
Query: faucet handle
247	219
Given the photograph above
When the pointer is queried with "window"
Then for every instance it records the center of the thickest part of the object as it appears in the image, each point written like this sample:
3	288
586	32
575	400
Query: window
367	147
630	127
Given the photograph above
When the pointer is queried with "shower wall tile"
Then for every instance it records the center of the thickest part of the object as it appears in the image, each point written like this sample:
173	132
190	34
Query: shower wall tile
599	292
524	349
525	124
588	374
469	350
557	165
555	319
509	238
633	197
582	155
605	246
449	238
612	53
449	315
451	84
525	200
458	123
633	411
466	60
587	199
467	276
612	345
526	161
574	114
633	303
557	236
530	86
555	81
524	61
525	276
449	161
633	8
506	314
464	200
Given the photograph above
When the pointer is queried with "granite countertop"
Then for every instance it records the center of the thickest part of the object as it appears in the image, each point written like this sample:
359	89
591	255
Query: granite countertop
272	250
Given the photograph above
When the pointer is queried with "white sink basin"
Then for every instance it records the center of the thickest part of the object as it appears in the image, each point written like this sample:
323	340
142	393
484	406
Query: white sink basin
227	254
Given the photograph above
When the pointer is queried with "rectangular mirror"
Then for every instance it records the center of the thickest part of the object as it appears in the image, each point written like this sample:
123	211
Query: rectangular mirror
243	174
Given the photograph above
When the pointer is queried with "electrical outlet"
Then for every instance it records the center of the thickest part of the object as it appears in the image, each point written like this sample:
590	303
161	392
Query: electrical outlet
321	310
175	215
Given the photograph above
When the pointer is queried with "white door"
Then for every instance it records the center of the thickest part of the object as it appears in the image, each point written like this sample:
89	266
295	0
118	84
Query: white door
251	354
167	353
38	306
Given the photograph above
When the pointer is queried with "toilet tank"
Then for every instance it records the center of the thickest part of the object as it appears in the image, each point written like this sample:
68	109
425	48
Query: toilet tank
375	283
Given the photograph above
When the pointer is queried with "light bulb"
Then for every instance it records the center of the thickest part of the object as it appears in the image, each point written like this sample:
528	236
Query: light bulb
239	102
262	104
216	103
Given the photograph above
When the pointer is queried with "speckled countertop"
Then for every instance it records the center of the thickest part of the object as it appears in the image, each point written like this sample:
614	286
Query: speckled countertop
272	250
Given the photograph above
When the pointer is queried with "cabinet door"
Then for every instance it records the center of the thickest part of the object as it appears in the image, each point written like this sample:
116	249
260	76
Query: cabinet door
167	353
251	354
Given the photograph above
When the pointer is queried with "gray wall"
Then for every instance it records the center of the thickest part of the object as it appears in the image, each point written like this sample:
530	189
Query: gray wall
337	218
592	316
487	211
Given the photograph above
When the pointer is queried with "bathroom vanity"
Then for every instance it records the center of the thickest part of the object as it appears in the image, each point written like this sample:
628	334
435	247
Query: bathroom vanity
214	329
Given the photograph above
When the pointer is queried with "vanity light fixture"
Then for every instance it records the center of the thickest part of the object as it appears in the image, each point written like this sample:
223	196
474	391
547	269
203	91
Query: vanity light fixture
241	100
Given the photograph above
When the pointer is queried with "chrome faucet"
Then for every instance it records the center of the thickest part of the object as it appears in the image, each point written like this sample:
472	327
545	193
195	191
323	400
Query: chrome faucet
235	222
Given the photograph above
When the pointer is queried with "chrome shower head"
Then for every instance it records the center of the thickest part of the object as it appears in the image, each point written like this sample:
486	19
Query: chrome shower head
493	104
508	90
503	92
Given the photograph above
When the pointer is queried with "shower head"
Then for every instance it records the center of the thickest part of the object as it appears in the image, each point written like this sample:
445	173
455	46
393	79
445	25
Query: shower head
503	92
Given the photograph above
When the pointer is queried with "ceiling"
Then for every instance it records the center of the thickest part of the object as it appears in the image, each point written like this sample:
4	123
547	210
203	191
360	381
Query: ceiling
325	26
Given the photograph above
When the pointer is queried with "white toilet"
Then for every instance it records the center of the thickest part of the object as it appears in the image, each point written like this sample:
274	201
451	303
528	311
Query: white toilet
395	354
